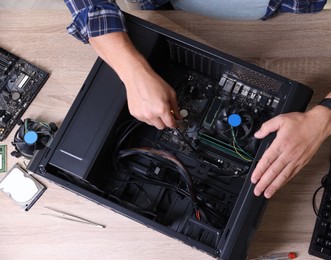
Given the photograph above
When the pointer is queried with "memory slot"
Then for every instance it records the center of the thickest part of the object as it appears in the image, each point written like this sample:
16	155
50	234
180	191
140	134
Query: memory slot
224	147
3	64
4	60
218	144
3	158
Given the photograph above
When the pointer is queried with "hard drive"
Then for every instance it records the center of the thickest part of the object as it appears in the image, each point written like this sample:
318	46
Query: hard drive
19	185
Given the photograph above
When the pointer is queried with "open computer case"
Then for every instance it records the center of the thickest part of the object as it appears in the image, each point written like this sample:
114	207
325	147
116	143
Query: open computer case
191	183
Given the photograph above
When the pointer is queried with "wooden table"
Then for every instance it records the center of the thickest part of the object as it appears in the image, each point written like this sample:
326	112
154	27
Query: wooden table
295	46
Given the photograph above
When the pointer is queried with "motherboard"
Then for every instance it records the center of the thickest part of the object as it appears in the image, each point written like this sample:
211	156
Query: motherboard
219	121
20	81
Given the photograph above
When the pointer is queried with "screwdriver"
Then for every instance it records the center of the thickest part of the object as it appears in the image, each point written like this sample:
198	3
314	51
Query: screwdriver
277	256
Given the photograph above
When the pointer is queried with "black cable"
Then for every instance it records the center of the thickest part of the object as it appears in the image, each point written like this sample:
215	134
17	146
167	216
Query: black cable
156	155
133	125
138	181
207	213
121	135
212	216
148	181
326	187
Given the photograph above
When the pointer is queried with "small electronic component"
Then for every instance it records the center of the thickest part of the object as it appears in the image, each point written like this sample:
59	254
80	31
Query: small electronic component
3	158
21	187
20	81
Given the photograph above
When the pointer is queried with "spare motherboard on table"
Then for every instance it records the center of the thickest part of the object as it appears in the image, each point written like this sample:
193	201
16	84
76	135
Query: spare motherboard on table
20	81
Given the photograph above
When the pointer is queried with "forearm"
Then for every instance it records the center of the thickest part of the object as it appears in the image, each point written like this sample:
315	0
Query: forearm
118	51
150	98
101	23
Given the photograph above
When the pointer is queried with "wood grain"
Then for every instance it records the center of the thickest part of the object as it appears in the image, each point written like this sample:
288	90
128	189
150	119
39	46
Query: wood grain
295	46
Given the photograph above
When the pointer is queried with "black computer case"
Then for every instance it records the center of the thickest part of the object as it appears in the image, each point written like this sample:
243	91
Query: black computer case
191	183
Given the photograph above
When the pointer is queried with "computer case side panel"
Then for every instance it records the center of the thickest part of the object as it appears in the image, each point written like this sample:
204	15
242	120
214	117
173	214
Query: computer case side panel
87	124
249	210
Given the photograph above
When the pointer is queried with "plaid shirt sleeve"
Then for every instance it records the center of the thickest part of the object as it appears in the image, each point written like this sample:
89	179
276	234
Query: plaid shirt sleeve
294	6
93	18
97	17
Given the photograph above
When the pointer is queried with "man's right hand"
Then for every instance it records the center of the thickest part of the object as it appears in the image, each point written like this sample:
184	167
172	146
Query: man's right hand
150	98
299	136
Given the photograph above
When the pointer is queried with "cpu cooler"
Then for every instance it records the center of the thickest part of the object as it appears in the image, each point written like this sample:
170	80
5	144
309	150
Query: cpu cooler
31	136
234	123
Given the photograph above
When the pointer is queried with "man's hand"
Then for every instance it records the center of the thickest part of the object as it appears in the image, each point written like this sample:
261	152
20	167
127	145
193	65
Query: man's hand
299	135
150	98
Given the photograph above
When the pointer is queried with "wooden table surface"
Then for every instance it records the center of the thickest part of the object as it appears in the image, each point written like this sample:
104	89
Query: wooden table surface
295	46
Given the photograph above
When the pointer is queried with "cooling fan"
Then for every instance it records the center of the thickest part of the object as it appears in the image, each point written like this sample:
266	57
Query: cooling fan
31	136
236	126
234	123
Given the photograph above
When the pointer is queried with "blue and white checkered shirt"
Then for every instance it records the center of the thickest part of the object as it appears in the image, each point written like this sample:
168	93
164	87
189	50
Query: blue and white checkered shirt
97	17
293	6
